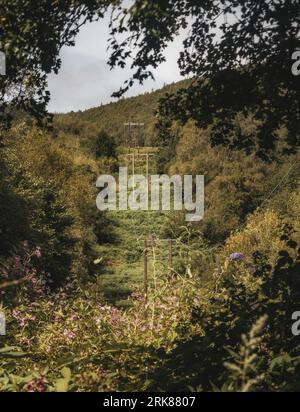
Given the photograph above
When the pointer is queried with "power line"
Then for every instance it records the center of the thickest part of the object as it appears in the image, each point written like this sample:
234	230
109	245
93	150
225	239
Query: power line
281	181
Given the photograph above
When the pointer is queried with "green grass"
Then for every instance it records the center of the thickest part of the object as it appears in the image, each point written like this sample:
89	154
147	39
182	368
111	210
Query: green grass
123	257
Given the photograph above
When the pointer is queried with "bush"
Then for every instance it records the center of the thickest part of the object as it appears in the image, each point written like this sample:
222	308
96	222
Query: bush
104	145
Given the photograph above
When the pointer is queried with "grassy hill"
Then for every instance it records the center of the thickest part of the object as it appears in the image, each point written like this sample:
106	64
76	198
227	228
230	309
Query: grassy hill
111	117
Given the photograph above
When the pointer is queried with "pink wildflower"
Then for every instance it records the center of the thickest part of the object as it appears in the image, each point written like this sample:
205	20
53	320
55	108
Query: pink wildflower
38	252
69	334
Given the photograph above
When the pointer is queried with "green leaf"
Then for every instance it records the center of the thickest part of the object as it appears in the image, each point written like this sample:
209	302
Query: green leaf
12	352
62	384
66	373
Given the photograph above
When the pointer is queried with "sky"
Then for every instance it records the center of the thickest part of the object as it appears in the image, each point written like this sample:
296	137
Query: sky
86	81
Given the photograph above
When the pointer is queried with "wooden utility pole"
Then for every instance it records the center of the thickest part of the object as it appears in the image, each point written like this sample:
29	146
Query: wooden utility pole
132	141
152	241
134	156
170	256
146	268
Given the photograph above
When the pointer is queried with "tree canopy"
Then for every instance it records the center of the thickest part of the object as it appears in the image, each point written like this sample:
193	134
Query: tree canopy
238	55
31	36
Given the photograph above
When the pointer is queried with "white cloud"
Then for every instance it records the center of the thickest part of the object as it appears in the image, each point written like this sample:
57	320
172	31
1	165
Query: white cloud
85	79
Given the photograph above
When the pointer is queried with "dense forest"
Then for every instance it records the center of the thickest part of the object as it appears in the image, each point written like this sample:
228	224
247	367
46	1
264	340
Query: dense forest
217	314
81	312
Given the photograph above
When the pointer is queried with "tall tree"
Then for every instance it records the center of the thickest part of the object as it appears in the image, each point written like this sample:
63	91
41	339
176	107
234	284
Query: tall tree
239	55
31	36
